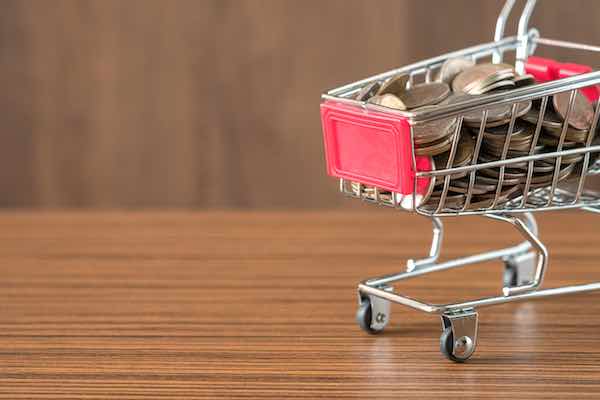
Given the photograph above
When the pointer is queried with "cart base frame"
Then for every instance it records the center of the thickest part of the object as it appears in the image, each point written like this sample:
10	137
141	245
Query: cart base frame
525	265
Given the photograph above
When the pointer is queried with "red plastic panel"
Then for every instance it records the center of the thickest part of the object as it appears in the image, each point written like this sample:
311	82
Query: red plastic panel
370	148
542	69
546	69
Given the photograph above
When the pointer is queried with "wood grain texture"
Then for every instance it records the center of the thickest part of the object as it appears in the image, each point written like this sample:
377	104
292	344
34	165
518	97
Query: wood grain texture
211	103
261	305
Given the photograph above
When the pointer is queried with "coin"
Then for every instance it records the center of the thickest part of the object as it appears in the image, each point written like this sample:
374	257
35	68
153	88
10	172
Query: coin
434	148
480	75
388	100
492	87
508	181
553	141
582	112
409	202
462	186
463	154
510	173
524	80
497	115
434	130
538	180
395	85
504	193
551	119
492	81
368	91
572	134
452	200
424	94
370	192
451	68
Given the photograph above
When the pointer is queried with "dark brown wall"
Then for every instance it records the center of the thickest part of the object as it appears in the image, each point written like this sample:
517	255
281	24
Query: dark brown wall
206	103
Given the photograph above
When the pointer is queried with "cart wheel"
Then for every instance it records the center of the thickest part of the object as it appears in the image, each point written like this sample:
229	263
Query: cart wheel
511	275
364	316
447	346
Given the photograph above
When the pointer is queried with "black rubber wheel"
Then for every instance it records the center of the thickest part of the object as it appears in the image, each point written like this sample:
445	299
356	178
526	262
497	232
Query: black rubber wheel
364	315
511	277
447	345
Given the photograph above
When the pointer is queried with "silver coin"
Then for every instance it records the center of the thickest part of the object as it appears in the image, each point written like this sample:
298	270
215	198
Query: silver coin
497	115
495	86
424	94
368	91
434	148
479	75
524	80
389	101
432	131
582	112
395	85
451	68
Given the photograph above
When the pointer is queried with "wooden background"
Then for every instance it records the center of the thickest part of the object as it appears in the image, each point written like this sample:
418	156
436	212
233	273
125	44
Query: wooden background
206	103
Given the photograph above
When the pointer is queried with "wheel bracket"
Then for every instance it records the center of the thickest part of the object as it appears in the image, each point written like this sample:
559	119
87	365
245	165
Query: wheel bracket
464	330
380	308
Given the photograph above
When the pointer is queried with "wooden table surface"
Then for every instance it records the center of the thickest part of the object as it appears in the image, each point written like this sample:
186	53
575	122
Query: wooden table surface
261	305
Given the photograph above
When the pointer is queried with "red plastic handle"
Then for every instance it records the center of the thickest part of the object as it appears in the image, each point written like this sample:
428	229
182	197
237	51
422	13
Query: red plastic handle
371	148
546	69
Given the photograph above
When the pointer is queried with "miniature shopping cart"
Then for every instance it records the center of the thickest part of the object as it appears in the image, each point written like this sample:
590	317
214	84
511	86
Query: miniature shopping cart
370	149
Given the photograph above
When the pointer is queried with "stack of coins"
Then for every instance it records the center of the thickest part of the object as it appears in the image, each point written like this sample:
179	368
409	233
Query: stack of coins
460	79
429	139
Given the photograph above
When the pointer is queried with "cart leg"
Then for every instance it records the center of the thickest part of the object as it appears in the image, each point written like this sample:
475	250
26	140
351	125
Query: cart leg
530	281
519	268
373	312
434	252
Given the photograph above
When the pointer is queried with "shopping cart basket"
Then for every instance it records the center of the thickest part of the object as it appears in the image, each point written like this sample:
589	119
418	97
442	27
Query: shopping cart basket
371	149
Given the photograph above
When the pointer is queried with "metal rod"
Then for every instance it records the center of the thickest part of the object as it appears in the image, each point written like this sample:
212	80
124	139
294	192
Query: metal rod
565	44
515	160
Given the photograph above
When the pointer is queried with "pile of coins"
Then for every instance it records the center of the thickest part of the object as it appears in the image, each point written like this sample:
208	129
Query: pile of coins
458	80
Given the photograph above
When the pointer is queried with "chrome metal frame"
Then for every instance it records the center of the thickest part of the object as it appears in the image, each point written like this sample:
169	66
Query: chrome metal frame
529	258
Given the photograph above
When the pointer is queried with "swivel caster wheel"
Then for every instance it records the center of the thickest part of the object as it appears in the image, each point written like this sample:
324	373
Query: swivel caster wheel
459	335
448	347
373	314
